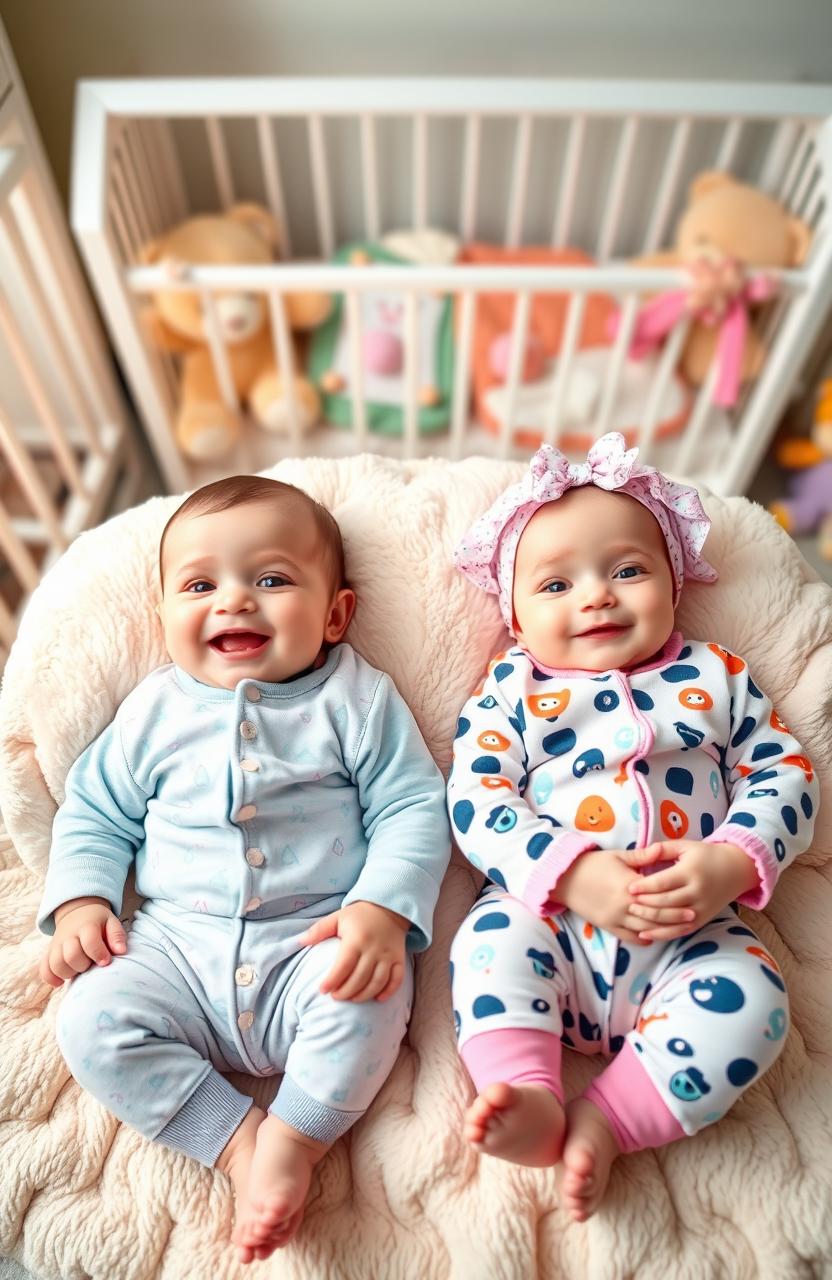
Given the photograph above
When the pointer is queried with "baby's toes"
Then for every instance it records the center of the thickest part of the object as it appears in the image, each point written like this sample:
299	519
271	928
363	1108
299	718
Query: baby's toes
480	1111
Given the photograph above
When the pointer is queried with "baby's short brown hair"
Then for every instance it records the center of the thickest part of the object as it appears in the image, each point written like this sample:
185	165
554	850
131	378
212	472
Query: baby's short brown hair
235	491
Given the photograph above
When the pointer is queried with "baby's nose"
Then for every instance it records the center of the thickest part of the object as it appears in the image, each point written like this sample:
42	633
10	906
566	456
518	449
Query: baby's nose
597	592
233	597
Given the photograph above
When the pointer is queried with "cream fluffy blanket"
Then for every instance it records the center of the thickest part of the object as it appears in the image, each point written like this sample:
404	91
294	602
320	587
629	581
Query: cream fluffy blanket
402	1196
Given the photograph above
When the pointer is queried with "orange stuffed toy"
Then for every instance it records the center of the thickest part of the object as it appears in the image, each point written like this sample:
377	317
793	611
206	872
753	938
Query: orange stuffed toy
206	426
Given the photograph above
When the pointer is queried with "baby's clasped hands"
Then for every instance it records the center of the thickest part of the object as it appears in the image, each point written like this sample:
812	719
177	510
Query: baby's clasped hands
701	878
370	960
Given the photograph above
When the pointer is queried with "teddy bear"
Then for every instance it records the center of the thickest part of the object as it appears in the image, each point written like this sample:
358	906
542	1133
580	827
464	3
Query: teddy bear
809	505
727	228
206	426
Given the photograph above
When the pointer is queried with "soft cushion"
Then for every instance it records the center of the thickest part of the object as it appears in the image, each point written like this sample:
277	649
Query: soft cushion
402	1194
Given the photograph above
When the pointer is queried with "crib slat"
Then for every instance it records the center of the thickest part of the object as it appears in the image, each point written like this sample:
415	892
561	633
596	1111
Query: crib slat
144	183
462	373
140	192
657	230
664	369
799	159
17	553
64	456
729	143
411	375
574	321
519	181
782	145
561	228
219	354
354	331
150	171
219	162
118	229
173	185
519	334
54	353
420	171
619	353
814	207
29	480
135	239
285	361
810	175
320	183
369	176
274	186
470	177
615	195
697	422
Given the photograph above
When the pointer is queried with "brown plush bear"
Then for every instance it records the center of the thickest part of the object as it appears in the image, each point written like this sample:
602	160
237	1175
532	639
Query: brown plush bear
731	226
206	427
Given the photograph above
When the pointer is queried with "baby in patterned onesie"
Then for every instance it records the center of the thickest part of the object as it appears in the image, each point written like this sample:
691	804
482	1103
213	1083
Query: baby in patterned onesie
287	826
620	787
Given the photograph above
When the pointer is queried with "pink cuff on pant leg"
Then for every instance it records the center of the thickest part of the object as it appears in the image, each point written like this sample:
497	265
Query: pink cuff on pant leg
630	1101
516	1055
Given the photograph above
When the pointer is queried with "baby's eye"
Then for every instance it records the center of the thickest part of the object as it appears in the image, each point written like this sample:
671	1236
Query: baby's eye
199	588
629	571
554	588
272	580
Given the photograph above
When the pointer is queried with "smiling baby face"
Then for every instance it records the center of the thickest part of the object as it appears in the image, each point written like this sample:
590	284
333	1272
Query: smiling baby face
593	589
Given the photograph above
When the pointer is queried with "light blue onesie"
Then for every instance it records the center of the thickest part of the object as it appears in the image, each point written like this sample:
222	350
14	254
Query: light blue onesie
249	814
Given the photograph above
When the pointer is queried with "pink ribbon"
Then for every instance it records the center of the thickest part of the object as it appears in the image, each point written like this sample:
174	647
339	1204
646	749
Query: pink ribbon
729	310
608	465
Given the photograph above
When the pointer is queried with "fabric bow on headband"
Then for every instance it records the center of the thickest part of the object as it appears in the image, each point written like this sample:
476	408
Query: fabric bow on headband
486	553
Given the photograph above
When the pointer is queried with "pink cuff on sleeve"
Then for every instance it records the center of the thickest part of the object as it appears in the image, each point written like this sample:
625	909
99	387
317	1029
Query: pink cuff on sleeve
760	855
560	855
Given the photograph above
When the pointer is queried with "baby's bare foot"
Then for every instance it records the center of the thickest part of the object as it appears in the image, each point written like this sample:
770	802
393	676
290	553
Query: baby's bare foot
235	1161
278	1182
588	1153
520	1123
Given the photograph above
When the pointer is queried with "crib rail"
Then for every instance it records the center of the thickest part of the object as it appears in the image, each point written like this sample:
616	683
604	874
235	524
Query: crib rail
603	166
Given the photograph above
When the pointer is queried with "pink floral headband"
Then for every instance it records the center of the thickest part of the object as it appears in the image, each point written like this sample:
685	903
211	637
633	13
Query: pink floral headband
486	553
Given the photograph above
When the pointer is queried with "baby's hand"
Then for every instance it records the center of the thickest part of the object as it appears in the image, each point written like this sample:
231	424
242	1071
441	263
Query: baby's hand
86	932
597	887
370	960
702	878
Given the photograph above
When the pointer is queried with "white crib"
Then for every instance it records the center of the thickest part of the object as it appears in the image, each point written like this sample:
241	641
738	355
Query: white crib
603	166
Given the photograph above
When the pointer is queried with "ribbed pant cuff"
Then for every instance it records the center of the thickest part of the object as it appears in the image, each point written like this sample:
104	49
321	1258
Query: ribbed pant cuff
314	1119
203	1126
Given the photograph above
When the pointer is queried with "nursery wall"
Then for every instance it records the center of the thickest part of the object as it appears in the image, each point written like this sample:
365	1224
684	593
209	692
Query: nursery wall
56	42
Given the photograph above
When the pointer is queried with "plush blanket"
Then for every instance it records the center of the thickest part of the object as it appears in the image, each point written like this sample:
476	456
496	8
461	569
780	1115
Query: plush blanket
402	1196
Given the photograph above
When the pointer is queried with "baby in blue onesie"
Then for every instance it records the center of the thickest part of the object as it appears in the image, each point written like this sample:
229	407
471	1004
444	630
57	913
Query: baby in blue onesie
620	787
287	828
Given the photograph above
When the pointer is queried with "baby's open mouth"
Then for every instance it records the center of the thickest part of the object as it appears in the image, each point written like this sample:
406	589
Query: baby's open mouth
238	642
